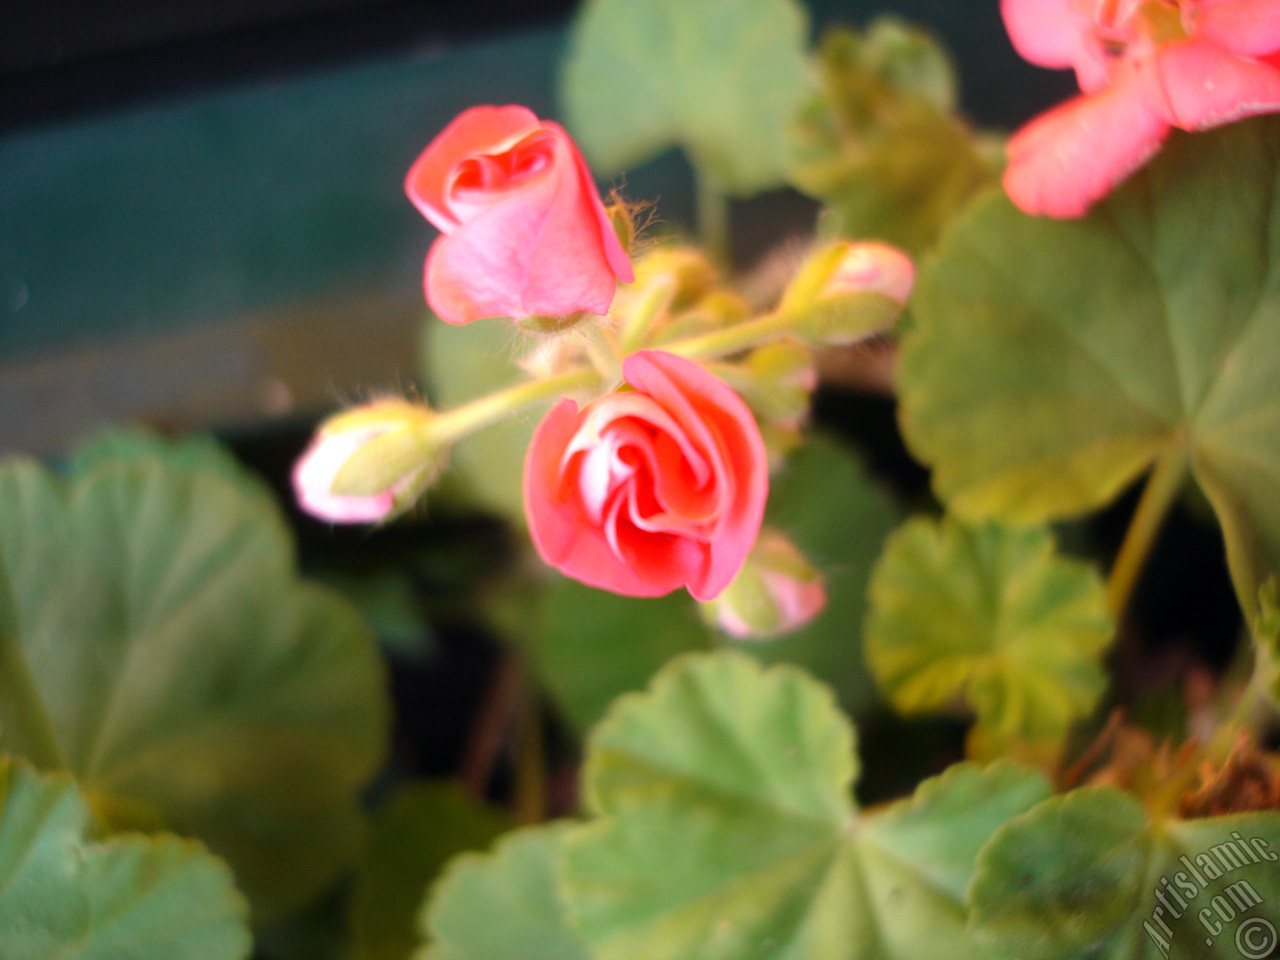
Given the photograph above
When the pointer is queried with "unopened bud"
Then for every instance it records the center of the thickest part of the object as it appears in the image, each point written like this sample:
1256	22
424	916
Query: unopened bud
367	464
847	292
776	591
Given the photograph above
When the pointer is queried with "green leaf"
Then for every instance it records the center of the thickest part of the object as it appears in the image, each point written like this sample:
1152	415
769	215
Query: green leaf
720	78
503	905
993	616
158	644
1079	875
591	646
486	469
137	897
1052	362
878	146
423	825
728	830
911	61
188	454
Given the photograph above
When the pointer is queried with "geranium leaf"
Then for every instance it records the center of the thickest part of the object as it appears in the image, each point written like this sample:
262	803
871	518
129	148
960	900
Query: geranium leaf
64	895
196	683
992	616
503	905
878	146
727	829
720	78
1052	362
422	826
1085	875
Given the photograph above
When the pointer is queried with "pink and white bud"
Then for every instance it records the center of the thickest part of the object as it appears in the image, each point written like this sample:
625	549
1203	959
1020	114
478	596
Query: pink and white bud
870	267
847	292
776	592
366	464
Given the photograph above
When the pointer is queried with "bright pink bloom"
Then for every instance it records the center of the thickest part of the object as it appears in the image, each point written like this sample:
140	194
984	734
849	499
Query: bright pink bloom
524	230
647	490
1144	66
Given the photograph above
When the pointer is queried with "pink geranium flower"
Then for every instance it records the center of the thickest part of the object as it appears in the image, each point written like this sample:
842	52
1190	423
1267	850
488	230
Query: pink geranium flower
523	230
651	488
1145	67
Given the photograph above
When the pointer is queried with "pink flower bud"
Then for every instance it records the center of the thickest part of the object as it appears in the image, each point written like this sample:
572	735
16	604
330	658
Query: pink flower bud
343	477
875	268
776	592
524	231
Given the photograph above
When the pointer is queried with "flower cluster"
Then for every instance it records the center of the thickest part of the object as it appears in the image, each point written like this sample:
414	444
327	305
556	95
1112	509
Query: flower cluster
659	480
1144	68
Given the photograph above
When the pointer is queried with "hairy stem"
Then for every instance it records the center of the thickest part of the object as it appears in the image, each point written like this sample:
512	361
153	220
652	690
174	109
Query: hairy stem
720	343
454	424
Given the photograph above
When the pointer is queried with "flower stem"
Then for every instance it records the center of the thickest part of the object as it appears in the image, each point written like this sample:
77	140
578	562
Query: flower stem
638	324
719	343
1163	486
454	424
713	214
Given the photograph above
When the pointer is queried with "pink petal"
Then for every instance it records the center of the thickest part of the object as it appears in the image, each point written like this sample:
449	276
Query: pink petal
576	259
1250	28
478	130
568	541
1196	86
1046	32
743	471
1063	162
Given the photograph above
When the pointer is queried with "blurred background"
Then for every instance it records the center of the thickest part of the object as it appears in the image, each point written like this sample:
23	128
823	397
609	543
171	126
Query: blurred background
201	218
203	229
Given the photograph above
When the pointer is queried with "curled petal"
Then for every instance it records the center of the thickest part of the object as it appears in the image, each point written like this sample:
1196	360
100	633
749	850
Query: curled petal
1250	28
1197	86
650	489
478	130
1063	162
1045	32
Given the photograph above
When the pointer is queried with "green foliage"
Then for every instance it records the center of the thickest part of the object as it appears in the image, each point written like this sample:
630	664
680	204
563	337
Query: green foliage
993	616
720	78
591	646
726	829
879	146
131	896
1052	362
503	905
1079	874
423	825
157	644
